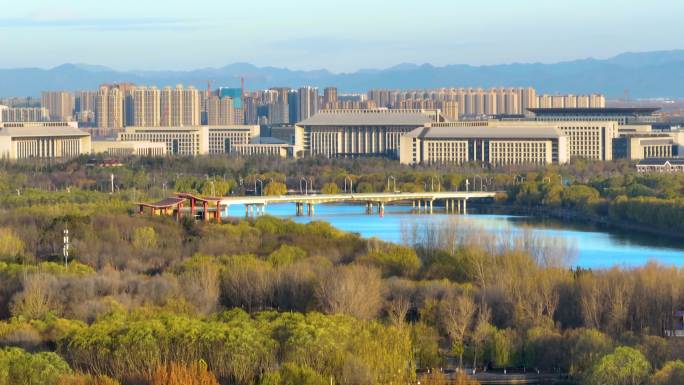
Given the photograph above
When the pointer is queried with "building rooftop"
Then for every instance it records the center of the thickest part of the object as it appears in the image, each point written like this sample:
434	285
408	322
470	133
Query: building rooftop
595	111
271	140
661	161
494	132
33	131
379	117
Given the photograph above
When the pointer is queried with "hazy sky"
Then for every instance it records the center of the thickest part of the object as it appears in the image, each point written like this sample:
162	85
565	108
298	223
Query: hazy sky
338	35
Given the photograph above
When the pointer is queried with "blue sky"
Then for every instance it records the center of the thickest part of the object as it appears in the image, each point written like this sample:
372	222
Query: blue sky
341	35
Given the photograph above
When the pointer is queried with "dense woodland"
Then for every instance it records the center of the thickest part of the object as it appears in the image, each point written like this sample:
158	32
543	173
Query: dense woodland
147	300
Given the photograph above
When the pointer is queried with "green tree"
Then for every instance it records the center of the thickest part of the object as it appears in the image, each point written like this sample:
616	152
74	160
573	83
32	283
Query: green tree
365	187
586	347
426	345
11	246
286	255
275	188
392	260
18	367
499	348
579	196
293	374
330	188
625	366
144	238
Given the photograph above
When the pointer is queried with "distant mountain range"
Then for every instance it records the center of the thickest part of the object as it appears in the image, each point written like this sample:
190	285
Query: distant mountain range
642	75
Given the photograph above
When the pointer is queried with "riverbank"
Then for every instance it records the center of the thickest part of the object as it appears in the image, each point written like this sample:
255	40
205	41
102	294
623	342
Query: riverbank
567	215
595	248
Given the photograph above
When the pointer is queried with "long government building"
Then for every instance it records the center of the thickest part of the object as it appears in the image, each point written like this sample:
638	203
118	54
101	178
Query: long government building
412	136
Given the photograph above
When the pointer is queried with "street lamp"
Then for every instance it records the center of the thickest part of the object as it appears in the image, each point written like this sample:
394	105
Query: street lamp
478	176
467	184
432	183
394	180
351	184
306	186
311	185
261	182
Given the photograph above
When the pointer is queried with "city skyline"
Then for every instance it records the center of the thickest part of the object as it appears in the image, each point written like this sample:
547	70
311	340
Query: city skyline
303	36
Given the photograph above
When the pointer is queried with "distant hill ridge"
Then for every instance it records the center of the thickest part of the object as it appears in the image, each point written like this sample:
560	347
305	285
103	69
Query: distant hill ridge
642	74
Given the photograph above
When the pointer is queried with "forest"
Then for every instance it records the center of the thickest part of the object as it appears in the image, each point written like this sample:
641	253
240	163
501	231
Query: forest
148	300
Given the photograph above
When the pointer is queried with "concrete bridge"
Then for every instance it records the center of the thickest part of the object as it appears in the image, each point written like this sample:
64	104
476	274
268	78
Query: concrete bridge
218	207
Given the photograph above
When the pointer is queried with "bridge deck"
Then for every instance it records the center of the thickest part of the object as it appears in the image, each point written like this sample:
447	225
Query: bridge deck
363	197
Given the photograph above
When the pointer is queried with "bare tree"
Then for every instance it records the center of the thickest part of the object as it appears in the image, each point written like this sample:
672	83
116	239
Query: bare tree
456	315
397	310
354	290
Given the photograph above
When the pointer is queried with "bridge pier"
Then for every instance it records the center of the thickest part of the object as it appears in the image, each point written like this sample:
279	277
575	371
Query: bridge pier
310	209
465	210
418	205
381	208
431	206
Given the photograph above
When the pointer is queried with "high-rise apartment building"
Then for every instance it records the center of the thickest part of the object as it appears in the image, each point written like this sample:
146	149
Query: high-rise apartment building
220	110
235	94
146	107
60	104
109	111
479	102
307	102
329	96
180	106
85	101
293	106
24	114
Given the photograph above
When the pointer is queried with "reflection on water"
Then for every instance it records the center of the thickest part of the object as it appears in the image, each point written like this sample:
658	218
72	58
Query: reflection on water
596	247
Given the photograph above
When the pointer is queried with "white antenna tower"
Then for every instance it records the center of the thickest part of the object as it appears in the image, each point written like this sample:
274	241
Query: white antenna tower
65	248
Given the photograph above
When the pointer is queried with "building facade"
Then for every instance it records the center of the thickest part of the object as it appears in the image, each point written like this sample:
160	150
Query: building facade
128	148
180	107
448	143
620	115
193	140
220	110
109	108
24	114
60	105
355	133
660	165
307	102
42	140
146	106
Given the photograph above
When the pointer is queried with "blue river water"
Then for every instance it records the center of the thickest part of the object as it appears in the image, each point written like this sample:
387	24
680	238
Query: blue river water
594	247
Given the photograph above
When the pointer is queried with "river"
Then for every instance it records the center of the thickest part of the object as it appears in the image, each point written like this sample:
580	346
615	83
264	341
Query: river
595	247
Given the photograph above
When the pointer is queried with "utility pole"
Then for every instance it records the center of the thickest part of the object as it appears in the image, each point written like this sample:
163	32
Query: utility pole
65	248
